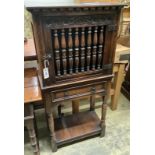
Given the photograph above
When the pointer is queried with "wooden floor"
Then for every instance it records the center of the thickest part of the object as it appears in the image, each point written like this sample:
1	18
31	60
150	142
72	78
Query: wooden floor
77	126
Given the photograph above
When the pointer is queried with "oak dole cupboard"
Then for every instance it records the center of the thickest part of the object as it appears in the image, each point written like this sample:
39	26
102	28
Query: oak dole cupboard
75	45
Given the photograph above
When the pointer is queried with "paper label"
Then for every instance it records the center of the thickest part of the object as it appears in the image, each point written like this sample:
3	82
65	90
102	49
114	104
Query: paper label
46	73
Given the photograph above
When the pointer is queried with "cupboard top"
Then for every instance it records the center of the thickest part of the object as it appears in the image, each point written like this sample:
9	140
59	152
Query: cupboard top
30	4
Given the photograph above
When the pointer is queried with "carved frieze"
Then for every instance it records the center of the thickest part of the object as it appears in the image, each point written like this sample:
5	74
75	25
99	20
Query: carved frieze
65	21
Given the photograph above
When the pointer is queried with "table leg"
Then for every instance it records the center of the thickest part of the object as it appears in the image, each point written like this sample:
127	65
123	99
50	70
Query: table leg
52	132
118	78
103	115
32	135
92	102
104	108
75	106
60	114
50	119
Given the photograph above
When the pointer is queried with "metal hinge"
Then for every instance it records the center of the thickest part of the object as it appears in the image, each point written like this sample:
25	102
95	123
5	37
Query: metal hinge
47	56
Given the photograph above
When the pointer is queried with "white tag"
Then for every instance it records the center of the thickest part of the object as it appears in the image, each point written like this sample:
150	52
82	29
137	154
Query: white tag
46	73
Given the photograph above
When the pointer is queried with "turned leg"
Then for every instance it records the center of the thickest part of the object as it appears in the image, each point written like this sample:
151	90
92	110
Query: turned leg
104	108
50	119
32	135
118	78
103	116
52	133
92	102
75	106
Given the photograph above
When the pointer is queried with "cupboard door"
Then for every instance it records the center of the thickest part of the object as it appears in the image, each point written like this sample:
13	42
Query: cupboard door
79	47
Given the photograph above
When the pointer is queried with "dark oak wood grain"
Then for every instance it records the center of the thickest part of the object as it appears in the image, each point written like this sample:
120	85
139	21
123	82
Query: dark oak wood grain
78	40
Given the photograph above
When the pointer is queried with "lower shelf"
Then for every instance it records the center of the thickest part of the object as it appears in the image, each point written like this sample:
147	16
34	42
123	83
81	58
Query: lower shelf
76	127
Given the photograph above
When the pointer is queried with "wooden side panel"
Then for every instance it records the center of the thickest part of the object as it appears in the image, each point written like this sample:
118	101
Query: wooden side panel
39	44
111	31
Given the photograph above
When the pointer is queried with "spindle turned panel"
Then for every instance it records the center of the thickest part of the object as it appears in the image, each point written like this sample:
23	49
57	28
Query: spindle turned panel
78	50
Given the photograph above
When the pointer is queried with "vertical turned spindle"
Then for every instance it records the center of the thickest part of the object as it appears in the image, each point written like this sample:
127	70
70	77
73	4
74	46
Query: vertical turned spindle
70	45
64	55
82	49
89	48
94	48
101	39
101	36
57	57
57	52
76	50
